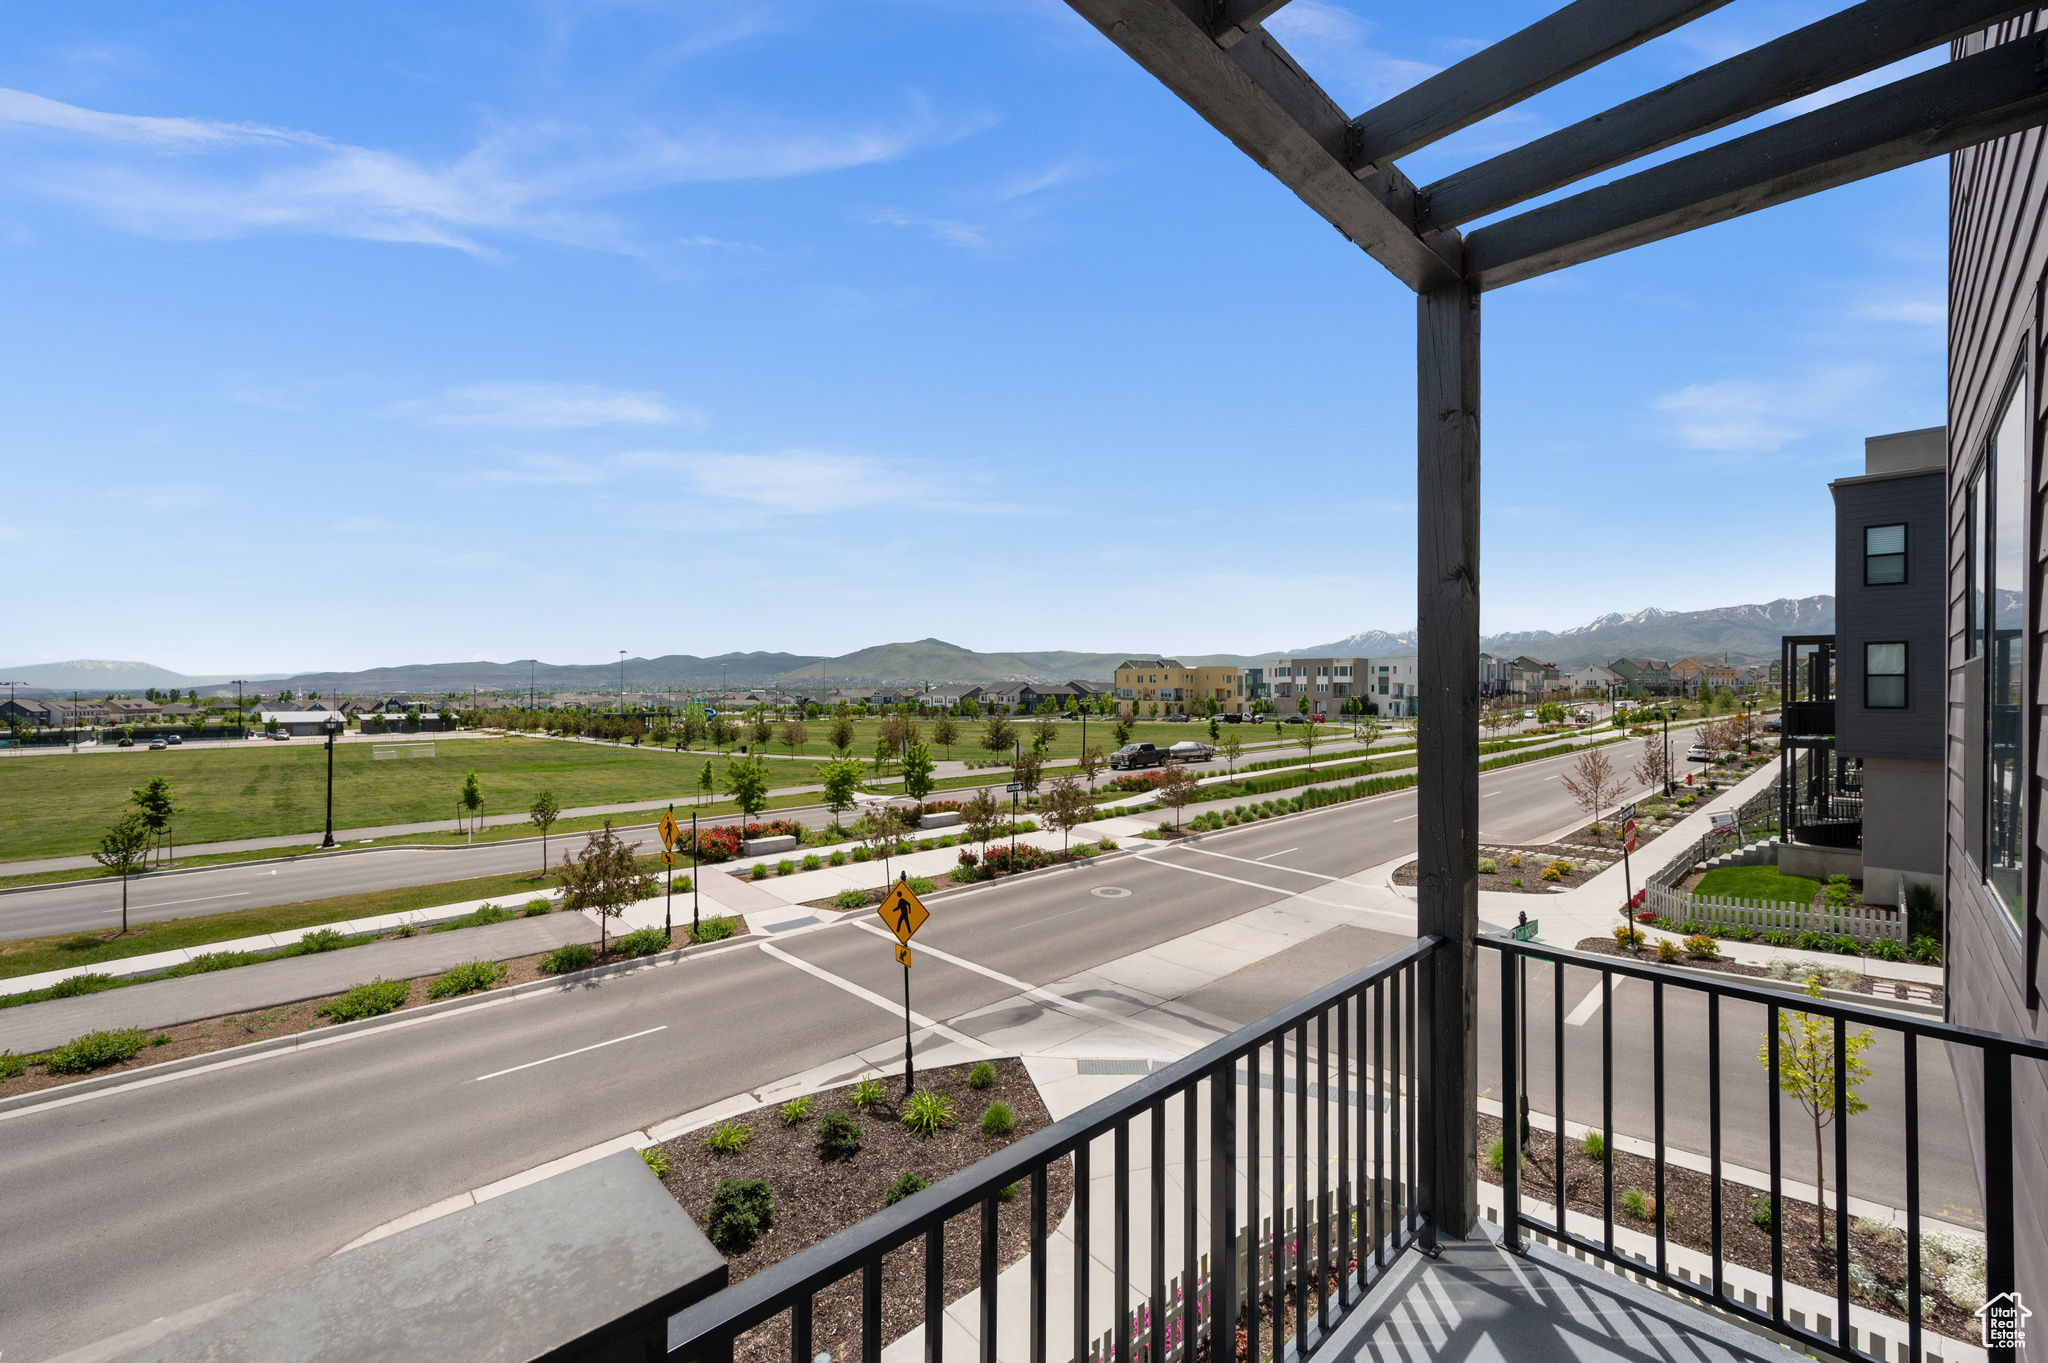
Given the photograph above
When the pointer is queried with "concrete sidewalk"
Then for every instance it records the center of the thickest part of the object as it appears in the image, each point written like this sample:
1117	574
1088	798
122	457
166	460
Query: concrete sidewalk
166	1003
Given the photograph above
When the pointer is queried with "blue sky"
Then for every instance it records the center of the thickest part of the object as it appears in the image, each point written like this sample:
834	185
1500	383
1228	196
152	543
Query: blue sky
343	336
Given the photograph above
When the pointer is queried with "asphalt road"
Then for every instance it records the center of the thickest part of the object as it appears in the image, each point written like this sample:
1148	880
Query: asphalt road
1517	802
139	1200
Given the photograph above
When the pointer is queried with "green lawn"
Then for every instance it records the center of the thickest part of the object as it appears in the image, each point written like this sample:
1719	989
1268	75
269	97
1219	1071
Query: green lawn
1066	740
58	805
1757	882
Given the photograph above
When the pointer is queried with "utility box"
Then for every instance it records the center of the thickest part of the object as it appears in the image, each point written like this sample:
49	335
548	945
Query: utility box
768	847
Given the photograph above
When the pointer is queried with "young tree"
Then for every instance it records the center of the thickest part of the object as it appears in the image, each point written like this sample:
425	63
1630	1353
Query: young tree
841	778
917	772
155	807
1092	761
945	733
604	879
1308	738
471	800
120	851
722	733
1068	806
998	734
1215	729
884	750
707	781
1027	769
842	735
1592	782
794	735
1122	731
892	731
1232	748
981	814
761	729
1045	731
1367	728
1654	768
879	829
1177	787
1806	1070
542	814
747	783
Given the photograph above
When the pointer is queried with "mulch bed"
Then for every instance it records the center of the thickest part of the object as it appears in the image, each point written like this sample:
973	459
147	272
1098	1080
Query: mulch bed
216	1034
1869	984
1688	1221
814	1199
1533	860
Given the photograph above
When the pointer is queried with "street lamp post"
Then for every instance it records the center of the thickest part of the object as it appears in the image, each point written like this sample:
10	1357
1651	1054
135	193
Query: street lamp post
332	727
1665	710
241	715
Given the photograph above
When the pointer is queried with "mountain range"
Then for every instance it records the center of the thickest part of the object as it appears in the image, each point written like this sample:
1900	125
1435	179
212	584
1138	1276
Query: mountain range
1743	633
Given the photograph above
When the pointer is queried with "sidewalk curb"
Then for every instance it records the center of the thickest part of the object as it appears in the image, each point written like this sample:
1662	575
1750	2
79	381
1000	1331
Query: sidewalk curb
234	1055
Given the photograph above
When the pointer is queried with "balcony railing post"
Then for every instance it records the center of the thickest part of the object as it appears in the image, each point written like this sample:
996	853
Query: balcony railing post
1999	1276
1223	1210
1510	1101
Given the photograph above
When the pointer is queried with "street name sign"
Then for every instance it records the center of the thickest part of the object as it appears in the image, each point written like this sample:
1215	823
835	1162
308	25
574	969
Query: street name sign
1524	932
1014	787
903	913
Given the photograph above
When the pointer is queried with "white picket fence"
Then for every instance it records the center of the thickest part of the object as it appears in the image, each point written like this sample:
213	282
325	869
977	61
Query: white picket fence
1864	922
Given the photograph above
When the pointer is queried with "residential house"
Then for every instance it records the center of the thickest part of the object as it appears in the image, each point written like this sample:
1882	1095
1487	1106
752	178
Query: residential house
1594	679
1176	688
951	694
1496	675
1697	676
35	713
126	709
1643	676
1536	680
1889	701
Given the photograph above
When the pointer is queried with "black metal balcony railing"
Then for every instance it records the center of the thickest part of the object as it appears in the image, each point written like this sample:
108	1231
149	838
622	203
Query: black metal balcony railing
1349	1134
1995	1055
1808	717
1352	1049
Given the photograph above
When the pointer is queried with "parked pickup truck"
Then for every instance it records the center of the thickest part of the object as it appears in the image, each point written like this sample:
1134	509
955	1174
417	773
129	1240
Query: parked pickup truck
1134	755
1187	750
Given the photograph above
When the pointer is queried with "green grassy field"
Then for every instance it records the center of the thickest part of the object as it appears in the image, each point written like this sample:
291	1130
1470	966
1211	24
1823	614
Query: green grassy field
1101	733
59	805
1757	882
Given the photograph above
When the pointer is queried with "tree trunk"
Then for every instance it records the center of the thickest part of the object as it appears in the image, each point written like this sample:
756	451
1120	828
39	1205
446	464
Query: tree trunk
124	902
1820	1181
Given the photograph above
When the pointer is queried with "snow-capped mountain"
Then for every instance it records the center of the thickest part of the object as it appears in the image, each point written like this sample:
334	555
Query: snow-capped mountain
1743	633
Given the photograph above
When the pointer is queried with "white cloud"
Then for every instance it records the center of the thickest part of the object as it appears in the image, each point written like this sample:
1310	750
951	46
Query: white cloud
947	230
1928	311
1333	45
1754	416
532	406
797	481
204	178
546	470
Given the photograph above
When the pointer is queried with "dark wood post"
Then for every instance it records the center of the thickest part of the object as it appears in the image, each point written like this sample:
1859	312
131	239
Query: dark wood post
1447	739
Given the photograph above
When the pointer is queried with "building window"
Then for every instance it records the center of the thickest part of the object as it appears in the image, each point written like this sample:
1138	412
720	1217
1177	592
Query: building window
1884	676
1884	555
2006	558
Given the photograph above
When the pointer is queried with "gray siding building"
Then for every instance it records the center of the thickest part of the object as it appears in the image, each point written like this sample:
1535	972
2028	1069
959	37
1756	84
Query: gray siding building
1889	585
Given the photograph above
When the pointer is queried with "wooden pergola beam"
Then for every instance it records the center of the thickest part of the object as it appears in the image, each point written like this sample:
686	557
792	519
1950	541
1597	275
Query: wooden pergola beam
1996	92
1256	95
1838	48
1555	48
1232	21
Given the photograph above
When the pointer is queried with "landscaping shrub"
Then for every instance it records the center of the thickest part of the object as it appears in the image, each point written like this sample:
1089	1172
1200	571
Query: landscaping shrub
785	867
1923	911
466	978
1812	941
797	1110
1639	1204
716	928
921	885
850	899
656	1161
906	1184
12	1064
1701	947
73	985
1107	844
997	1120
925	1112
1003	860
370	1000
812	861
1840	893
1740	932
538	908
741	1209
1008	1192
946	841
207	962
982	1076
1593	1145
1486	866
1926	950
1777	937
93	1051
760	871
1842	944
324	939
1625	937
925	844
865	1095
838	1136
860	854
1667	950
1885	949
728	1138
644	942
838	858
1760	1213
563	959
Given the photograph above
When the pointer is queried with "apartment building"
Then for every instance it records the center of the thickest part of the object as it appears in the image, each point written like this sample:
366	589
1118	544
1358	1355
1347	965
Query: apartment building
1696	675
1176	688
1386	685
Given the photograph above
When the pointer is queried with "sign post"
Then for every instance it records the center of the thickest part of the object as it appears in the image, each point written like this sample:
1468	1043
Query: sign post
903	913
1628	845
695	876
668	861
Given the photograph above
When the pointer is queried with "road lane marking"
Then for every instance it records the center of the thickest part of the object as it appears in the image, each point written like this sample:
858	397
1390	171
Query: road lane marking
167	903
1405	818
1261	862
886	1005
1489	795
1406	919
566	1054
1590	1004
1281	853
1034	991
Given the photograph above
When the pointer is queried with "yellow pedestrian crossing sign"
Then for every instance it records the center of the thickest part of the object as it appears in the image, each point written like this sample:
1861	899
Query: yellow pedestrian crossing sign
903	956
668	858
668	831
902	913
